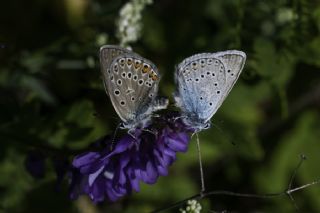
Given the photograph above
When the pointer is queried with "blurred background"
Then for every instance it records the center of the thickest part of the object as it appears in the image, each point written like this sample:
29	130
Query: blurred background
53	101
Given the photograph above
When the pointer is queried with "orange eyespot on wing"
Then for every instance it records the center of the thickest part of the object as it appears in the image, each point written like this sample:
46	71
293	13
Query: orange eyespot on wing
146	68
137	64
154	77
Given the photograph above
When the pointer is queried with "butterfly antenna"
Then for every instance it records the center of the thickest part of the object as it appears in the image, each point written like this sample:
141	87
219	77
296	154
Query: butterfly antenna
200	165
114	136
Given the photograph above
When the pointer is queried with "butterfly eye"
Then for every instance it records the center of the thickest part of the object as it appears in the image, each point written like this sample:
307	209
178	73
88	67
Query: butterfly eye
207	126
122	126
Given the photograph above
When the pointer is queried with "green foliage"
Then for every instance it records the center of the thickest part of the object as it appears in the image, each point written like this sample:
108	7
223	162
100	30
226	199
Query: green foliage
52	97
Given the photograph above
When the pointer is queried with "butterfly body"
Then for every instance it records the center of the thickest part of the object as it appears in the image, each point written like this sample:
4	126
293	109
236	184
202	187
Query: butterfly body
203	82
132	83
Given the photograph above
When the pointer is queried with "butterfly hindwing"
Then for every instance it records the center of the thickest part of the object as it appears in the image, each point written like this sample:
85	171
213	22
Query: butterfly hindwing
132	85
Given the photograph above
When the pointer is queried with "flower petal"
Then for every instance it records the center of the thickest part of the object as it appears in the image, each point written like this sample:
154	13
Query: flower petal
85	159
93	176
178	142
97	191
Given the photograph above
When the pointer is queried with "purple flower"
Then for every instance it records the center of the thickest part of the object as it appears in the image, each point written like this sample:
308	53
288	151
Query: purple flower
114	174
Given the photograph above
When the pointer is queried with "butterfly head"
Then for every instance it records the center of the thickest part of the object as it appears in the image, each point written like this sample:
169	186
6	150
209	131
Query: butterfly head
137	123
196	123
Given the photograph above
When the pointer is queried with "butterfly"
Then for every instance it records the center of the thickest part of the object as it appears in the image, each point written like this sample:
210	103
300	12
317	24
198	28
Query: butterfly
203	82
132	84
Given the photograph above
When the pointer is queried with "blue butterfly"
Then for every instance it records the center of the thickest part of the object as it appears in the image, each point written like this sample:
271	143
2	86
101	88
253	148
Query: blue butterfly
203	82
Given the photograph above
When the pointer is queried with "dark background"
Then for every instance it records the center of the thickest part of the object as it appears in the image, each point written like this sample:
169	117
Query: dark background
52	99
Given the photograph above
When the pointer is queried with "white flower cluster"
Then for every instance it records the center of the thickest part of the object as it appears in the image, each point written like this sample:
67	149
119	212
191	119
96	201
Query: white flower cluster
129	22
192	207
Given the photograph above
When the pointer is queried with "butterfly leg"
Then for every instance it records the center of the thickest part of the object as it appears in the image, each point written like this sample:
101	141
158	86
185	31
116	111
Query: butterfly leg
179	117
135	140
150	131
131	133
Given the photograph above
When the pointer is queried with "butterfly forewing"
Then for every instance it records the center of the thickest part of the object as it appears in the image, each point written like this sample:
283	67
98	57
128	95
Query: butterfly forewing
204	80
132	85
107	54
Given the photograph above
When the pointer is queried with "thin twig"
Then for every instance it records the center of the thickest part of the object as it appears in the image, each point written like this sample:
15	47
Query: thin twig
235	194
294	173
287	192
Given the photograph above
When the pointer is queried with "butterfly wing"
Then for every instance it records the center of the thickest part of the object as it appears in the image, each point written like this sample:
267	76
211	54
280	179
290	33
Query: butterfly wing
233	61
132	85
204	81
